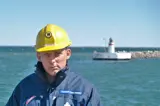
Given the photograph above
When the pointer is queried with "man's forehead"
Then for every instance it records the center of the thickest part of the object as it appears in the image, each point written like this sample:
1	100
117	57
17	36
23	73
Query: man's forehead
53	51
59	50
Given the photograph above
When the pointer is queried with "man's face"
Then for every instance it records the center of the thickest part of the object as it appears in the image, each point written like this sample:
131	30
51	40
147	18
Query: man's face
54	61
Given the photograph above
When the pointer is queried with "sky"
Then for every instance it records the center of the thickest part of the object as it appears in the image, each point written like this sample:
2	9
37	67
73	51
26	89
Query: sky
130	23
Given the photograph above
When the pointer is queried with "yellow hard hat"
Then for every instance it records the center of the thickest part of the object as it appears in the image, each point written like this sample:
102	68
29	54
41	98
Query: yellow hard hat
51	37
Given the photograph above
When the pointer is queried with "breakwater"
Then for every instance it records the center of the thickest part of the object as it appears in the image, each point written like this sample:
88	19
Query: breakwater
146	54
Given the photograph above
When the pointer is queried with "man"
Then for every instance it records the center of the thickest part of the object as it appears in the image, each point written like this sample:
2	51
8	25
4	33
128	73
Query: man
53	84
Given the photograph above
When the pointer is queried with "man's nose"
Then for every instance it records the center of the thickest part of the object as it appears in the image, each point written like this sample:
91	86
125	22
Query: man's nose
53	60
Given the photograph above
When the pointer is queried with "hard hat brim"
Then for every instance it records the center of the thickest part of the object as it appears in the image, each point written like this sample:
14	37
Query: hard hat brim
53	47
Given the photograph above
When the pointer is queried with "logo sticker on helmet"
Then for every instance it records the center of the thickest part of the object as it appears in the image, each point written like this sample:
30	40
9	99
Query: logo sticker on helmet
48	34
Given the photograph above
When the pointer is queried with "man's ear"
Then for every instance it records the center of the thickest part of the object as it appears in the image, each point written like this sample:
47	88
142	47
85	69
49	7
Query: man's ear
38	56
69	52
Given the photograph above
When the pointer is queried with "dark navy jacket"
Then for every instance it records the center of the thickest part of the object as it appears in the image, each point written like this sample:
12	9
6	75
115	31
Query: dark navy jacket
69	89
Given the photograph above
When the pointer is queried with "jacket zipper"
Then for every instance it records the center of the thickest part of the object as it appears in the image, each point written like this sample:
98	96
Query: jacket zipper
52	99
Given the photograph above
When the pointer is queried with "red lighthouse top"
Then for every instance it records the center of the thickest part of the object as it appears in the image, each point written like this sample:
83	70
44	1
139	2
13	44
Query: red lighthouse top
110	42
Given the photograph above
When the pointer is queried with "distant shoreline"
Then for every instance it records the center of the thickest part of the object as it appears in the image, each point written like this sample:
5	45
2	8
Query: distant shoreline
136	52
75	46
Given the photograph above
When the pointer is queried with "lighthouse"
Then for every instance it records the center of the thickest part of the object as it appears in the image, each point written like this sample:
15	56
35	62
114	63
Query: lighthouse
111	54
111	47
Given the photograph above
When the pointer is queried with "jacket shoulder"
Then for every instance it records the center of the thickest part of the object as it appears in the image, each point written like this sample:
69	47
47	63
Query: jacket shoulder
28	79
25	83
87	90
77	82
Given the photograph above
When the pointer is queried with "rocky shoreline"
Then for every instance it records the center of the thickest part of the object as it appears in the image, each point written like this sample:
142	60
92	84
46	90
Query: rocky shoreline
146	54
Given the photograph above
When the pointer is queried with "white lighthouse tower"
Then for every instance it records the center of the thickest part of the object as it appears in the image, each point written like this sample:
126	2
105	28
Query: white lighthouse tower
111	47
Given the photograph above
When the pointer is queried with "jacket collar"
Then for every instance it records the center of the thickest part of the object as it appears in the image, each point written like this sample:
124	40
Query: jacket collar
60	76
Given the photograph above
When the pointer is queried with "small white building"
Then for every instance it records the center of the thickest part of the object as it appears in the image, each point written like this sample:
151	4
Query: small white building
111	54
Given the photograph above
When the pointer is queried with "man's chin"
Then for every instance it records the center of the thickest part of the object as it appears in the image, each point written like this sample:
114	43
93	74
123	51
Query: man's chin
54	73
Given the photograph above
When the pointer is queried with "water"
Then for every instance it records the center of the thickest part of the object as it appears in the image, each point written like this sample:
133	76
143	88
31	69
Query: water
120	83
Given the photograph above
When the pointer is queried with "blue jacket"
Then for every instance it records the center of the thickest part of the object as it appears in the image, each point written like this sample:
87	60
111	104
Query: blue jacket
68	89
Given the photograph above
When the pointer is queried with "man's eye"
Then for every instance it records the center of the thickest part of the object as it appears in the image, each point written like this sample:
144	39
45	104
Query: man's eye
57	53
46	55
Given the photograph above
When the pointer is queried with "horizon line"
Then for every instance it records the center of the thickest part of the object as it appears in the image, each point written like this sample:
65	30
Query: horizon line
83	46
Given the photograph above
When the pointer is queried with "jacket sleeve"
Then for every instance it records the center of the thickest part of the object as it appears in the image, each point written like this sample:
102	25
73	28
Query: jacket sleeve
14	100
94	99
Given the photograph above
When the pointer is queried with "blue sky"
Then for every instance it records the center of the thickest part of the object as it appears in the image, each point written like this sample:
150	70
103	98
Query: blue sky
131	23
